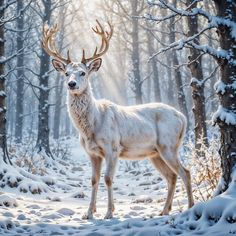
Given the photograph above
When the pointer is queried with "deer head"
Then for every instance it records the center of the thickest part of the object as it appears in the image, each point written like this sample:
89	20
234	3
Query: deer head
77	73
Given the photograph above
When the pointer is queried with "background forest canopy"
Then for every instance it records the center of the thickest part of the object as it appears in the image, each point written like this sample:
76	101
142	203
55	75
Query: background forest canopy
129	74
160	52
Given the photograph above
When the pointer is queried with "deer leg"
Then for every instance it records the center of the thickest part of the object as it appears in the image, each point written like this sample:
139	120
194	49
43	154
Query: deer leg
109	174
96	170
171	179
171	159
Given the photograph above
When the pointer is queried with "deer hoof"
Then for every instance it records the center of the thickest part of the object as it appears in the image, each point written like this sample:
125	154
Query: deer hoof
87	216
109	215
164	213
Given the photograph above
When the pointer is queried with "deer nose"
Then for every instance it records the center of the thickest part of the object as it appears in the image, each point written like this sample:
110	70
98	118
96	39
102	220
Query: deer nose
72	84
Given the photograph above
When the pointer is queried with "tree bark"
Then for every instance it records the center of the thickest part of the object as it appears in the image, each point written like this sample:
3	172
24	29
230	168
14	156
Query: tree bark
57	111
59	83
178	79
135	54
156	82
121	82
43	107
3	130
20	74
227	10
67	123
195	66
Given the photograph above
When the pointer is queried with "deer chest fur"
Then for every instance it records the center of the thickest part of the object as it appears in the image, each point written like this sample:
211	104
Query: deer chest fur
90	124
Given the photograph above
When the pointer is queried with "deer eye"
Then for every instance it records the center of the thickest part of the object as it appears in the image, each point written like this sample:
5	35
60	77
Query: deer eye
66	74
82	73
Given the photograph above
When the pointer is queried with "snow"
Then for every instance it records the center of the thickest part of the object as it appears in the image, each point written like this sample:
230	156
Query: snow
138	205
216	21
2	59
221	87
7	201
143	199
66	211
194	80
224	115
2	93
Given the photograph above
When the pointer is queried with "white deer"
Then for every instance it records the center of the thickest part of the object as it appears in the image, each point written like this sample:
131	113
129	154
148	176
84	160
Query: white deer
109	131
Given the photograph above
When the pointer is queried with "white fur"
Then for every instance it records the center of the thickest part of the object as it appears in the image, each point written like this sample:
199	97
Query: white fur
109	131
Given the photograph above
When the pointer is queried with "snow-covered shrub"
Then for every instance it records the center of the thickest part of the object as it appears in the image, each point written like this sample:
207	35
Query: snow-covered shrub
60	148
131	165
32	186
26	156
205	168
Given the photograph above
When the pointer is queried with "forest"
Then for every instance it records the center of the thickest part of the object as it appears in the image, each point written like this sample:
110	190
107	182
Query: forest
178	57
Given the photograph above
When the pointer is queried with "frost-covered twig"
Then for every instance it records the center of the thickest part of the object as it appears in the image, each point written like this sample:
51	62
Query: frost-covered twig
183	42
14	17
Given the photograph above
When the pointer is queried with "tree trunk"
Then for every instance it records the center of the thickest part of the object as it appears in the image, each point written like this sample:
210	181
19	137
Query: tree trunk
57	111
59	83
227	10
121	83
67	125
171	83
3	130
20	74
135	54
43	107
195	66
178	80
156	82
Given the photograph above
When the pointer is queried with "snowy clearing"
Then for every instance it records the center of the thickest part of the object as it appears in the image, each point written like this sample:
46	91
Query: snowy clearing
139	193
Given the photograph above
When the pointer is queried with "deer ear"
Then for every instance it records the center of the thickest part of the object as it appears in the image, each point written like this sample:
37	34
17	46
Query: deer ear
58	65
95	65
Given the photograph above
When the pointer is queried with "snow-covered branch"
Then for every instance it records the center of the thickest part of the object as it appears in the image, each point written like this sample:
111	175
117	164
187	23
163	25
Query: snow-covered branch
14	17
180	44
224	115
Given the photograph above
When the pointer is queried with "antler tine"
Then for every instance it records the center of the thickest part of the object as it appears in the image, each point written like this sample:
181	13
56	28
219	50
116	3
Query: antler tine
111	30
105	36
68	55
95	51
49	45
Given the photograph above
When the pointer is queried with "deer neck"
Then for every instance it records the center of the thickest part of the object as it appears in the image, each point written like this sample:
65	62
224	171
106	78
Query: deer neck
82	109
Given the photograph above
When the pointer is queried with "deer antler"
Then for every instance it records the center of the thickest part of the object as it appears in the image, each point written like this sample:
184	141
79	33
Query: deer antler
106	36
48	43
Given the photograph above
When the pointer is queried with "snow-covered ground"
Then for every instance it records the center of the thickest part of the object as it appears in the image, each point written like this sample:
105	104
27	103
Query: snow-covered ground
139	193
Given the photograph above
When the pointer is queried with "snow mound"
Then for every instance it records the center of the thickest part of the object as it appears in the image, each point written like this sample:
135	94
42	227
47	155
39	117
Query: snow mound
5	223
78	195
7	201
66	212
48	180
33	187
143	199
